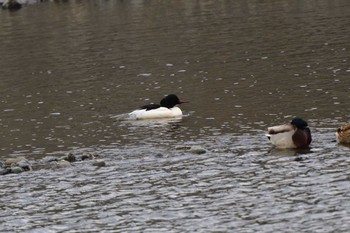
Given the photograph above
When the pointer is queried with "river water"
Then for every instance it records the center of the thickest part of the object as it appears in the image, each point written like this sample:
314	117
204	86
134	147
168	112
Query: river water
68	67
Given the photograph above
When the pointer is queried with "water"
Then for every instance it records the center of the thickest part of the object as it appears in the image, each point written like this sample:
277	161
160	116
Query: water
68	67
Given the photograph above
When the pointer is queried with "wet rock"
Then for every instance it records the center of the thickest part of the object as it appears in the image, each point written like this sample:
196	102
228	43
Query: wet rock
12	4
63	164
69	157
16	169
10	161
4	171
99	163
197	150
182	147
85	157
47	165
88	156
49	159
24	164
15	165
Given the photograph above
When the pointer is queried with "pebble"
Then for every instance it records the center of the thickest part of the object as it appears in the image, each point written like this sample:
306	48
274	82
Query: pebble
20	164
4	171
48	159
16	169
69	157
63	164
197	150
88	156
10	161
15	165
99	163
24	164
12	4
182	147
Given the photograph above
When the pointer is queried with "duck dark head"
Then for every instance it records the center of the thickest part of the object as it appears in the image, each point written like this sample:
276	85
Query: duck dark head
170	101
299	123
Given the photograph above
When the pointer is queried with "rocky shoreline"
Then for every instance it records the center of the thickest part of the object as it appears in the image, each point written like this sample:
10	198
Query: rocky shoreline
21	164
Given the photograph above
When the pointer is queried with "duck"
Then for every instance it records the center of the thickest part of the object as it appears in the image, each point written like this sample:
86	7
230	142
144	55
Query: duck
165	109
343	134
296	134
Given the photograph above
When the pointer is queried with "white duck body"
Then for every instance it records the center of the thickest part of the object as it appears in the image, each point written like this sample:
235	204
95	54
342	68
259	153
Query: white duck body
282	136
161	112
166	109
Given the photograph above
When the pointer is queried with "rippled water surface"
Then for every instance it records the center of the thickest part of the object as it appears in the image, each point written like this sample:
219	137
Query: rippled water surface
68	67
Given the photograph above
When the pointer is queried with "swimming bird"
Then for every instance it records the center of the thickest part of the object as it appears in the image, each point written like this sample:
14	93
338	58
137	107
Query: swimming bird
293	135
343	133
166	109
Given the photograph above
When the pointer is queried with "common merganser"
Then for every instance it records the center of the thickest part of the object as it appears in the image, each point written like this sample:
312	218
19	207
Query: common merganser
343	134
294	135
166	109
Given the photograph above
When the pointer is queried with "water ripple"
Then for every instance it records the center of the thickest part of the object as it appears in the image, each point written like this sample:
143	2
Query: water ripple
252	190
98	61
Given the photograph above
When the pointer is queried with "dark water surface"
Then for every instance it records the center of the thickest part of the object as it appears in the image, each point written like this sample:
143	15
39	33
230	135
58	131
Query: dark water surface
67	68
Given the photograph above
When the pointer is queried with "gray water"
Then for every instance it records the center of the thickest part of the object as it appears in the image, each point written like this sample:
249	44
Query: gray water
68	67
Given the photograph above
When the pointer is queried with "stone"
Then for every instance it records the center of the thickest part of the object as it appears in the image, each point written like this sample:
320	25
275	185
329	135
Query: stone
69	157
24	164
12	4
16	169
63	164
197	150
182	147
87	156
49	159
10	161
99	163
4	171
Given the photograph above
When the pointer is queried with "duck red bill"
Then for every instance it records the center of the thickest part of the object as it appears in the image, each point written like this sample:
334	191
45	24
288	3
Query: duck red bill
183	101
